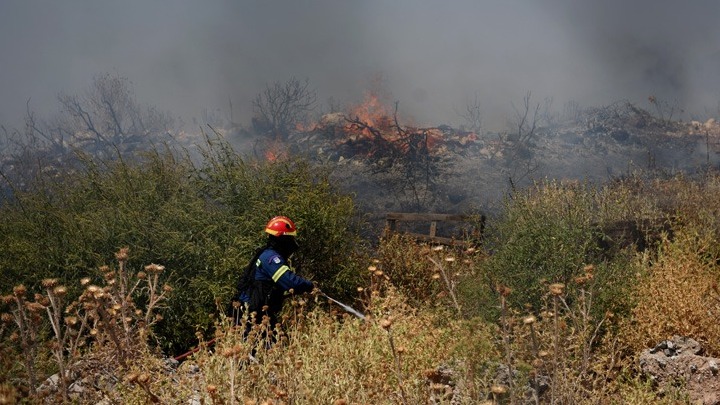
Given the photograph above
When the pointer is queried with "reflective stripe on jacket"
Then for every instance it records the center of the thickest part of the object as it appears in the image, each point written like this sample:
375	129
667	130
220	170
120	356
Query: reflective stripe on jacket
273	277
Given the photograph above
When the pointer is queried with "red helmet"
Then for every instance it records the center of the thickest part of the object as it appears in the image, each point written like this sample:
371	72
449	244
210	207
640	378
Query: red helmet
280	226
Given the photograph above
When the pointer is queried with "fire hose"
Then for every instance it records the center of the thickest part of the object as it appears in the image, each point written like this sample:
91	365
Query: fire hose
347	308
211	342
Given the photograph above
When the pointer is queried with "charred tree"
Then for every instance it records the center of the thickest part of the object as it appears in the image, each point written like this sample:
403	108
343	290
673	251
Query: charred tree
104	122
281	106
520	158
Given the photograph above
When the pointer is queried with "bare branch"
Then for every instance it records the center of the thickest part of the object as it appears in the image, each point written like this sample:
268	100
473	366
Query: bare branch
472	114
520	159
281	106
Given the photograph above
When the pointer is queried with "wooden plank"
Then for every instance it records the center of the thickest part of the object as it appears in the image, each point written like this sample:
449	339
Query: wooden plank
409	216
435	239
392	219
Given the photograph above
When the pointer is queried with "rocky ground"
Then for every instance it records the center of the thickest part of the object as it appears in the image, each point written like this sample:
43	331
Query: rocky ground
679	362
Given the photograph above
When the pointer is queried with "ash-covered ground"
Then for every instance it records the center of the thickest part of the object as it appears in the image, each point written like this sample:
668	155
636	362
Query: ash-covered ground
392	168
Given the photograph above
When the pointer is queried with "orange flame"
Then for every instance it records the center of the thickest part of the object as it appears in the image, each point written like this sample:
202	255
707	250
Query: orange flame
434	138
275	151
271	156
372	111
371	128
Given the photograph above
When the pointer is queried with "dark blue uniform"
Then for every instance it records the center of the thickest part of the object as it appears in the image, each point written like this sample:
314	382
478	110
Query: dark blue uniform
272	279
272	266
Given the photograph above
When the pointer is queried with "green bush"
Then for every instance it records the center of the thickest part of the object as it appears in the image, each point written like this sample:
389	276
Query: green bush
548	234
252	192
201	221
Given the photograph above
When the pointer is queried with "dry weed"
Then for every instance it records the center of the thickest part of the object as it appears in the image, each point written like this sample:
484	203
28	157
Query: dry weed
386	359
678	295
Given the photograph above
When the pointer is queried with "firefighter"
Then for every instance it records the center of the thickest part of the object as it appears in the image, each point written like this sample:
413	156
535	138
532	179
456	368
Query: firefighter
268	277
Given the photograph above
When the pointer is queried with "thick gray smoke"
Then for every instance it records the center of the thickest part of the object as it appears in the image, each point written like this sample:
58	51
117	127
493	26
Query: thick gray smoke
187	57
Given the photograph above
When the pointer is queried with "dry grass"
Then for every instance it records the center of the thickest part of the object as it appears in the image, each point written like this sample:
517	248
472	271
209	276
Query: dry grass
391	357
95	338
678	295
401	353
417	344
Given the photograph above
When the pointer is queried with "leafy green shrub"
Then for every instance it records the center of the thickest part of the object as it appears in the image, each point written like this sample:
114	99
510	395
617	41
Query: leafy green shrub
203	221
70	226
546	235
252	192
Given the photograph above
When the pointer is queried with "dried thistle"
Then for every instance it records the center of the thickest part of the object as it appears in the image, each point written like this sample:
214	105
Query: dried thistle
49	283
92	289
580	280
154	268
504	290
143	378
557	288
122	255
35	306
60	290
20	291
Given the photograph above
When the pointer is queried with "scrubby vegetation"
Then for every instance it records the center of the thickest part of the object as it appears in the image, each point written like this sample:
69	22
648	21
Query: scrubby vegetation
199	221
110	271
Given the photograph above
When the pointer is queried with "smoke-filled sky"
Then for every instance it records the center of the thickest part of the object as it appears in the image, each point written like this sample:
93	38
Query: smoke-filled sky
185	56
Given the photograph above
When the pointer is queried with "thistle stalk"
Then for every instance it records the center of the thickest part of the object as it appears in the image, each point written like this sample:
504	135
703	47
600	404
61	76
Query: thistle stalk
386	324
504	292
449	286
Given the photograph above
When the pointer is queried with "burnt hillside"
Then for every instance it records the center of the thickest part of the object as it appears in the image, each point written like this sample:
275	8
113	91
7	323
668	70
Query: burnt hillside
390	166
